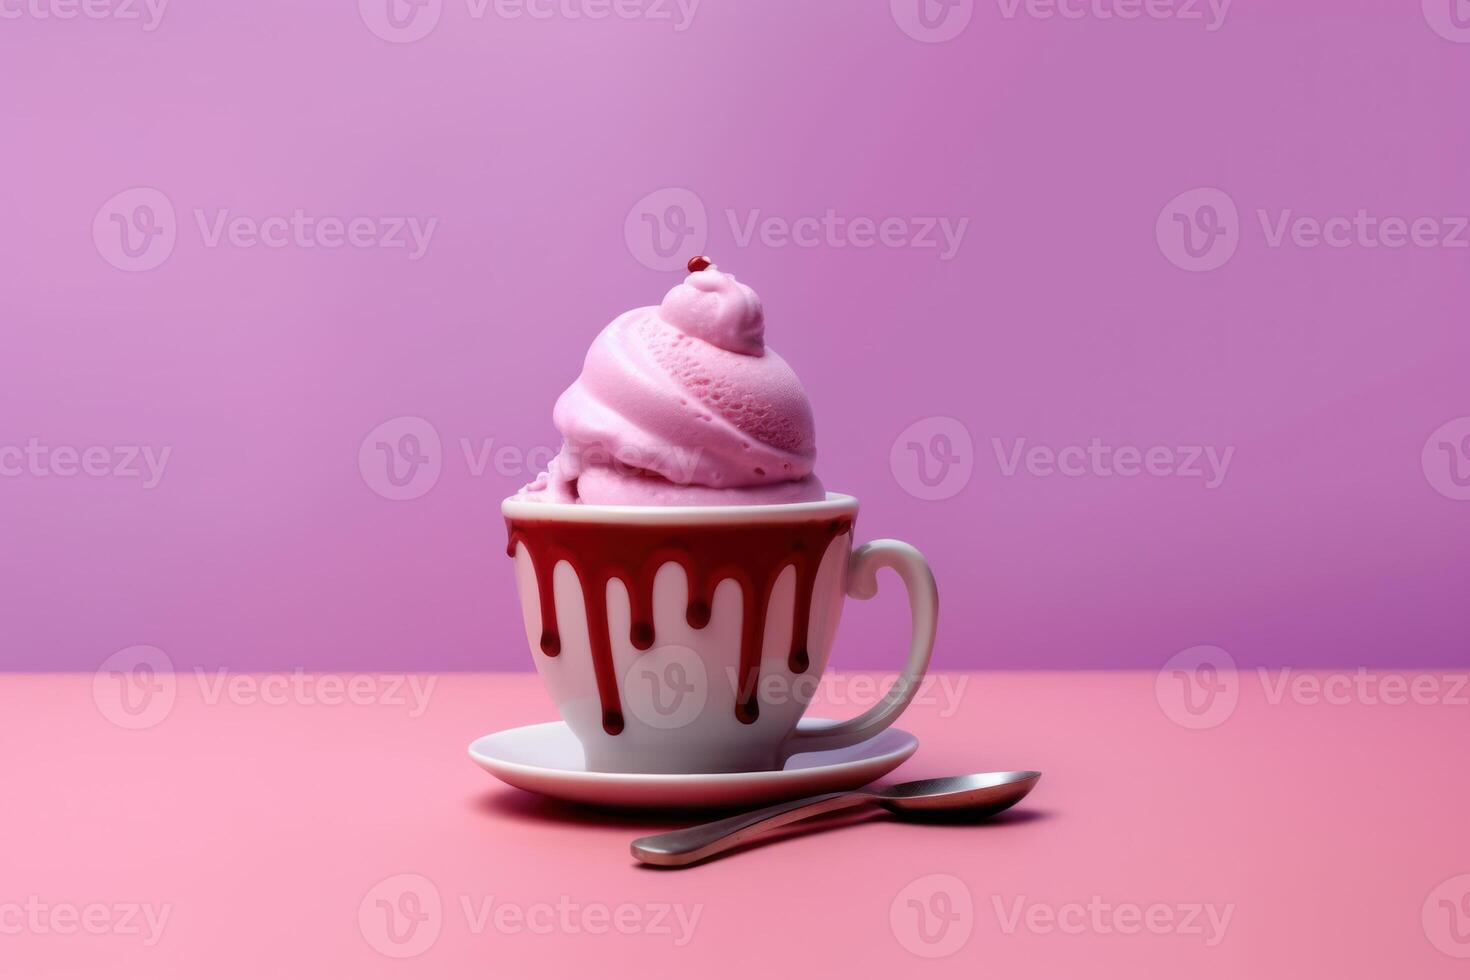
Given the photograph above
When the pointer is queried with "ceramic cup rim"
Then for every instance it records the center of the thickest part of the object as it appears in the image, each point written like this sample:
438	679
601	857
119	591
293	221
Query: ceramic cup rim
835	505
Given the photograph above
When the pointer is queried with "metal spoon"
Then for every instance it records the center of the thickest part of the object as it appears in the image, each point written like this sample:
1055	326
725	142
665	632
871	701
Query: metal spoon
979	794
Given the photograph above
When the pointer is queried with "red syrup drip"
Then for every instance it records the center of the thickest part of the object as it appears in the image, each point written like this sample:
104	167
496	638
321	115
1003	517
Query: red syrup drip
754	555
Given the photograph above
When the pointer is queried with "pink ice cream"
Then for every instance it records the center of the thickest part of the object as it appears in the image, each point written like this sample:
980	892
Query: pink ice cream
684	404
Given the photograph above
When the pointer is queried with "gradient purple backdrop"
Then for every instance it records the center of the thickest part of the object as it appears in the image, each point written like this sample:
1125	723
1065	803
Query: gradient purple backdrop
1338	535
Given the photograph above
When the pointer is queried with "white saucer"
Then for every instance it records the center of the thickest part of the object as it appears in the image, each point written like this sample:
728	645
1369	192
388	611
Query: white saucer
547	759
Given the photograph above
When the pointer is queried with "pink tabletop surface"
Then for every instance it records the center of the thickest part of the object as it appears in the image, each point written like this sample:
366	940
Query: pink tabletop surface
252	830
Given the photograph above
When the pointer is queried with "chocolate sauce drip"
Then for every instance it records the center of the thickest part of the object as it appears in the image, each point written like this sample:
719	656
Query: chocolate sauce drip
754	555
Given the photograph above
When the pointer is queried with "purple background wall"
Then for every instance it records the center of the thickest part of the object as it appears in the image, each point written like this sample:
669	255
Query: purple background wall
1072	307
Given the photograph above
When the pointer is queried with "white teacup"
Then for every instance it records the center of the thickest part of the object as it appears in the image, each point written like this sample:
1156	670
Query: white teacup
687	666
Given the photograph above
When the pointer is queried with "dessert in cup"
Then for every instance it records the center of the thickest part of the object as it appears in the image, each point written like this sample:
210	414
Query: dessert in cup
681	568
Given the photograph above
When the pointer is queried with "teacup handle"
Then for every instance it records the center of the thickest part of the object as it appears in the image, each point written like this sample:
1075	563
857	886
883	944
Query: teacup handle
862	583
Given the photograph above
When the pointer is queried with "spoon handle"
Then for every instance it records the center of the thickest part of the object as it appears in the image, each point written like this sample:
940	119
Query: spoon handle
680	847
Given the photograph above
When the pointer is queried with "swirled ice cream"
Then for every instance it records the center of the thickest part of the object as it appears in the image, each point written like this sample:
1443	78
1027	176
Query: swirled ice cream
684	404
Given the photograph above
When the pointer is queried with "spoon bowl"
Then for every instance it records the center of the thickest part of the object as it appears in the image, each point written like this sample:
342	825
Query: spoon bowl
979	793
